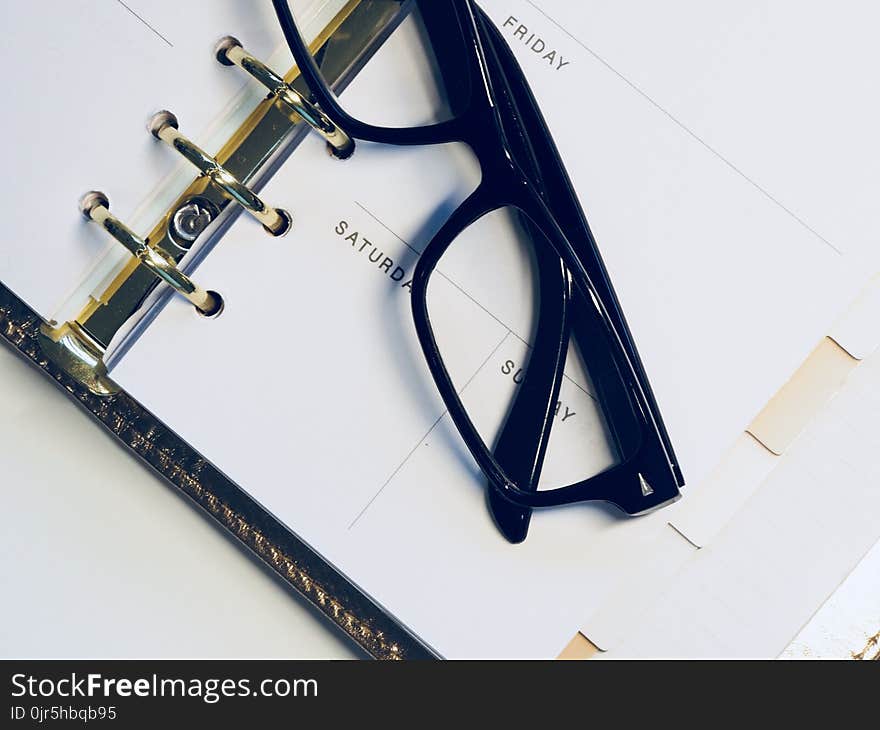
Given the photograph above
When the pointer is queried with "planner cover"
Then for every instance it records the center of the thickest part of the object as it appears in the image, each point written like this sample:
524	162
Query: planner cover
303	418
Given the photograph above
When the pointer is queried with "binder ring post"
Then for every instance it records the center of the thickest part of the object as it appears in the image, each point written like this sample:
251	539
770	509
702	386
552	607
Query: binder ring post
95	207
163	126
229	52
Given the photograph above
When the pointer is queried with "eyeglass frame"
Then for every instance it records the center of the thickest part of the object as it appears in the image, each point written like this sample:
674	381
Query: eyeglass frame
643	480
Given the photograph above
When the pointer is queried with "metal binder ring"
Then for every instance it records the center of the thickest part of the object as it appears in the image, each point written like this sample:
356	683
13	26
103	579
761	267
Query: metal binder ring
229	51
95	207
163	126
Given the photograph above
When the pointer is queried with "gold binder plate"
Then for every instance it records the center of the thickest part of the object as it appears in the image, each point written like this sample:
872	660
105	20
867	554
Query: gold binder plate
71	347
79	346
96	207
163	126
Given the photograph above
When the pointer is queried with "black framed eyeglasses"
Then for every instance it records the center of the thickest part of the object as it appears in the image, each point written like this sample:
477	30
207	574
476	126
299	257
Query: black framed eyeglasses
490	108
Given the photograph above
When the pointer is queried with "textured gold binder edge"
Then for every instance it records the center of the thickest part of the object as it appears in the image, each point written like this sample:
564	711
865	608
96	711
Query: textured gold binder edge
871	650
181	466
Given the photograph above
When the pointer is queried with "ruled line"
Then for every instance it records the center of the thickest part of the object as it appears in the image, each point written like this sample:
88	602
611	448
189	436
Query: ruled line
687	130
428	432
142	20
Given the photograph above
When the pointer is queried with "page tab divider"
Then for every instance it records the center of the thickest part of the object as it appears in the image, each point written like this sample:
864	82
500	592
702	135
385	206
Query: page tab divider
579	648
813	384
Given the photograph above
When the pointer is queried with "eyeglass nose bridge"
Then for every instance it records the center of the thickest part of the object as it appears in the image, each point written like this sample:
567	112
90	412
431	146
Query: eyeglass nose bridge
230	52
95	207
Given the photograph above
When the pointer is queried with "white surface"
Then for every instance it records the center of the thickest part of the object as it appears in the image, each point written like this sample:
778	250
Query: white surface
99	558
348	454
857	331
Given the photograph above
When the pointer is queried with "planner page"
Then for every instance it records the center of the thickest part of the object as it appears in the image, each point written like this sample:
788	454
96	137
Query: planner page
780	91
310	390
79	91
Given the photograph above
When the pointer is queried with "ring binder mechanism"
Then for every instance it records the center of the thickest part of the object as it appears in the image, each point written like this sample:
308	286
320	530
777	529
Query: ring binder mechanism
95	207
163	126
79	345
230	52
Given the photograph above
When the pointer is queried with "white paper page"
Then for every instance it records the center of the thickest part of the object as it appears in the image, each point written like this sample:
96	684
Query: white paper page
780	90
82	80
749	592
310	390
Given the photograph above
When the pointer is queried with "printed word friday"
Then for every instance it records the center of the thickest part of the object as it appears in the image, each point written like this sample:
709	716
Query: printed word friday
536	44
